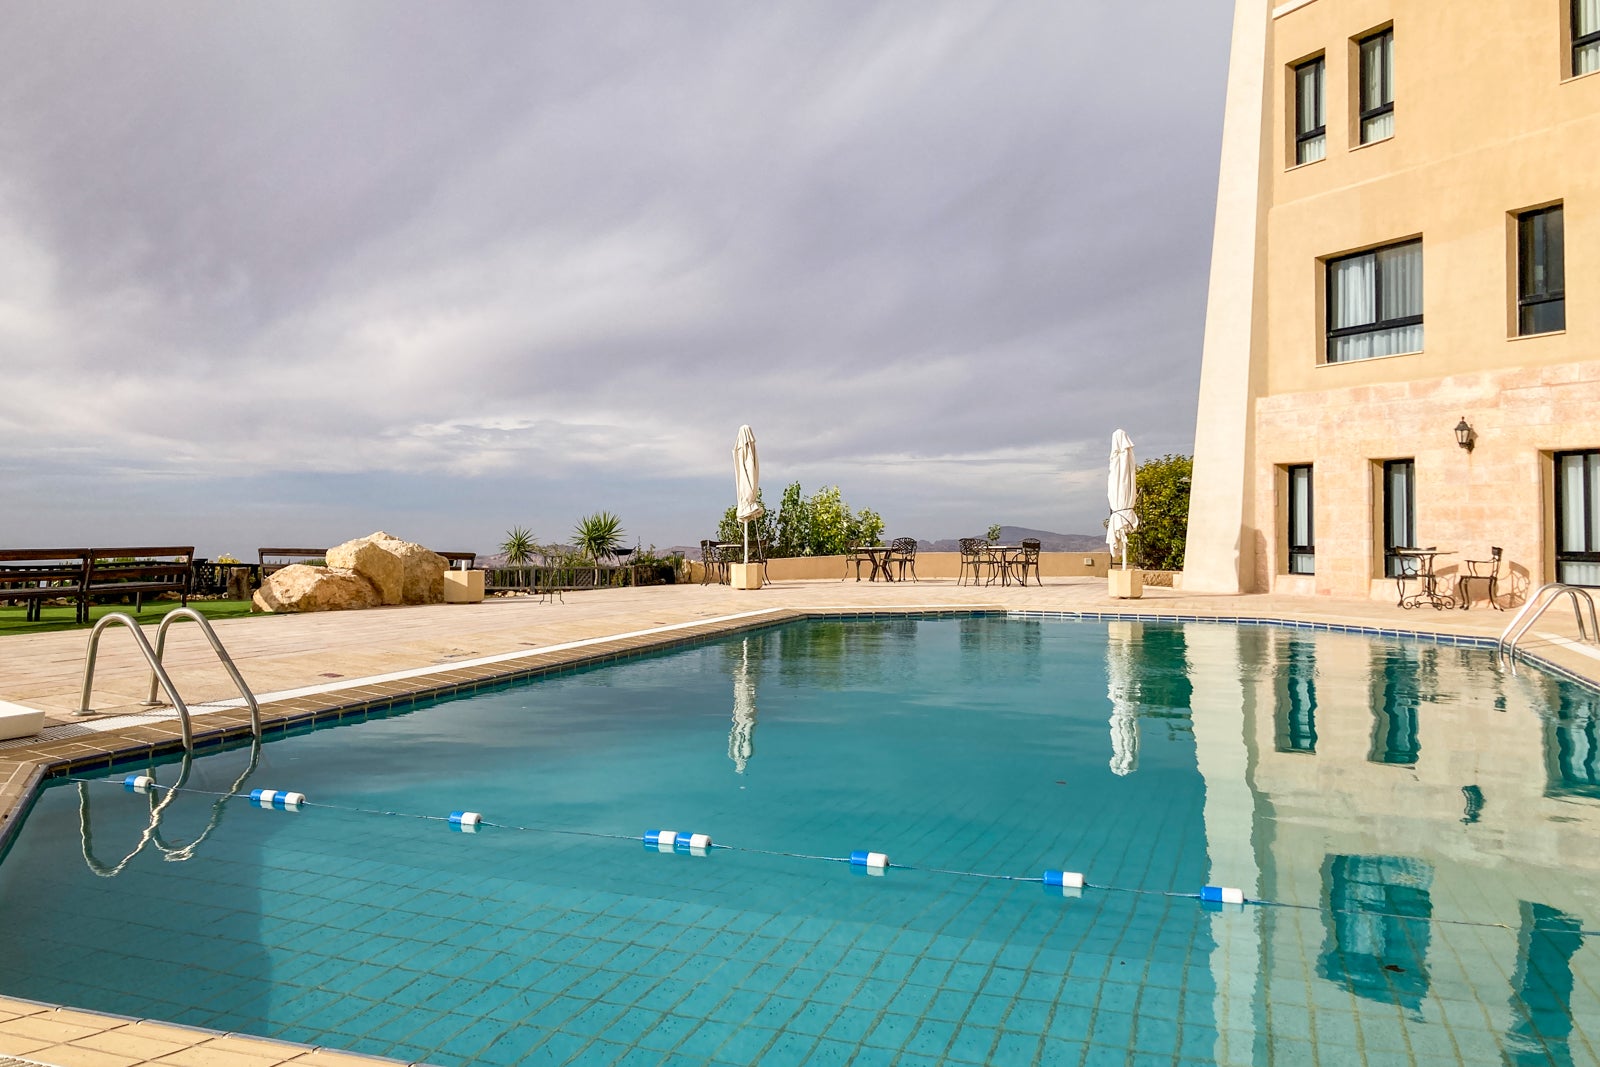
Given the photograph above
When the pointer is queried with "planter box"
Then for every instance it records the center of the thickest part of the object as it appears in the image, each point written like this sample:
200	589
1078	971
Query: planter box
1125	585
744	575
463	587
18	721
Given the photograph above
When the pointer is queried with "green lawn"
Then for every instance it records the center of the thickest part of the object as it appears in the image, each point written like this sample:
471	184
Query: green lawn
13	620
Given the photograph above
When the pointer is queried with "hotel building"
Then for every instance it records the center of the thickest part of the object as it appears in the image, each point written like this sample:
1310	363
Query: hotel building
1393	355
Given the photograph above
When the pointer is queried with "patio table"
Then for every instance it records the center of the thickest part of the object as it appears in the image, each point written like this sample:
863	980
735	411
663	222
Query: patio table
1416	565
878	556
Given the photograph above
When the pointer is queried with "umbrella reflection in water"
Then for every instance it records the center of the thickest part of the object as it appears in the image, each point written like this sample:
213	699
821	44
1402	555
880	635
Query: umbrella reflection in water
1120	639
741	739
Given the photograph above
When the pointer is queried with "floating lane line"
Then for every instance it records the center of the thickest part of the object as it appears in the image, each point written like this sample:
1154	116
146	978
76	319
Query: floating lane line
1069	883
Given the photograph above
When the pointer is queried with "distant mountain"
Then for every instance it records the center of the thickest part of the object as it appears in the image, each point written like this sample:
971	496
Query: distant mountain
1010	535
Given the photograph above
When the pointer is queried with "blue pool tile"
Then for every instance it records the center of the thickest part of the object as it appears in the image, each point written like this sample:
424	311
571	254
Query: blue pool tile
972	1044
892	1031
929	1038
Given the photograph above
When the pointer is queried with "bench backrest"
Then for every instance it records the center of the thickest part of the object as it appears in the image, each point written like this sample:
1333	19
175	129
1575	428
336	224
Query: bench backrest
289	553
167	566
43	567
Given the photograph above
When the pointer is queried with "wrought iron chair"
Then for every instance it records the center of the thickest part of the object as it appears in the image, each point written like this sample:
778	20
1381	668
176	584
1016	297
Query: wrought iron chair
716	565
903	553
855	557
1483	570
1027	561
975	558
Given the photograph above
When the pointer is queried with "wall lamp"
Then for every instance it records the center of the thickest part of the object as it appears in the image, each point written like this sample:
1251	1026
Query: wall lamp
1465	435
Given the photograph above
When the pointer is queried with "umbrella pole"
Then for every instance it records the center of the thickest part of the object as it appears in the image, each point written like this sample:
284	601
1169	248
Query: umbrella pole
747	542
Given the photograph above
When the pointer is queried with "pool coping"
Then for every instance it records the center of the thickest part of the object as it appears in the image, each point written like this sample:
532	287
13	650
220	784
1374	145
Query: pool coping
221	723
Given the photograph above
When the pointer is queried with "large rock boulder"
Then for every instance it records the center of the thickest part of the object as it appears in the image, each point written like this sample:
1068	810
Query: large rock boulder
384	569
424	569
301	587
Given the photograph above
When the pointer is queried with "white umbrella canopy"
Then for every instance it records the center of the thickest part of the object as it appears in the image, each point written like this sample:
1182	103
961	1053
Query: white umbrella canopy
1122	492
747	482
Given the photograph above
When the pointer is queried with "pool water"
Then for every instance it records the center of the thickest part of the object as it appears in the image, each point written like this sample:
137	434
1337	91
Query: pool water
1421	827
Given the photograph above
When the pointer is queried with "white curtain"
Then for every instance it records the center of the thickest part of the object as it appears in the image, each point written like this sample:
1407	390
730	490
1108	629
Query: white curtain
1354	292
1309	106
1587	59
1358	302
1377	86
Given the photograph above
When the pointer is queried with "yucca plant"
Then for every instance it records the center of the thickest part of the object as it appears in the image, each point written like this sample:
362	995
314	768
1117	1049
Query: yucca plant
598	535
519	547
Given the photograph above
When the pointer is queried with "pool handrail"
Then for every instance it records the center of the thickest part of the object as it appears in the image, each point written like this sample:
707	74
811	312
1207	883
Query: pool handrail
1505	649
124	619
222	654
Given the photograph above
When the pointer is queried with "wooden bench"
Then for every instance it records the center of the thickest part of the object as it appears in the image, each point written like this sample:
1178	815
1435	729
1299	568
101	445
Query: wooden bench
35	575
280	554
137	572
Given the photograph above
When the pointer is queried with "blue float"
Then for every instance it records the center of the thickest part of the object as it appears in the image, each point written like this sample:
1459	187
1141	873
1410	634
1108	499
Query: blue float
138	783
1217	894
1067	883
677	841
465	821
874	863
280	799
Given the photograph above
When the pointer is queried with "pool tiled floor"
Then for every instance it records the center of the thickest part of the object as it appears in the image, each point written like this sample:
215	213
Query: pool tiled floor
309	665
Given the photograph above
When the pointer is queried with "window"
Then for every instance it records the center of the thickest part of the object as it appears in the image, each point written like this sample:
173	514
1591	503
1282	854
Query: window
1377	86
1302	543
1578	517
1541	273
1310	122
1375	303
1399	511
1585	37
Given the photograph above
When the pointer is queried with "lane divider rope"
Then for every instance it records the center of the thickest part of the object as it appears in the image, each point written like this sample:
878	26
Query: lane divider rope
1069	883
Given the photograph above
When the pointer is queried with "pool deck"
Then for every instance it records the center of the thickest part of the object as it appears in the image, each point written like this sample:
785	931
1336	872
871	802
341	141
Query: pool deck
306	668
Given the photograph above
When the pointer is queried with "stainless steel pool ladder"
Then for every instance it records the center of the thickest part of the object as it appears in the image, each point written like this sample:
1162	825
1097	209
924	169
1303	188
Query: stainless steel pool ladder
1505	649
158	674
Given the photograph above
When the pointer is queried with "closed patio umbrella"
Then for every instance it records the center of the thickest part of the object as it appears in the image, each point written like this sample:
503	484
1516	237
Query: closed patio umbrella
747	483
1122	492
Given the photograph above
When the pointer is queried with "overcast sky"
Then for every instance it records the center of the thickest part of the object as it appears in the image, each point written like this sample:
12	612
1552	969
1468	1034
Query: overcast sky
288	273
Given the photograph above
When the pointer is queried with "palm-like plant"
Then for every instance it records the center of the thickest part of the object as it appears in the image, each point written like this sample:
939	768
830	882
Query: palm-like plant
519	546
598	535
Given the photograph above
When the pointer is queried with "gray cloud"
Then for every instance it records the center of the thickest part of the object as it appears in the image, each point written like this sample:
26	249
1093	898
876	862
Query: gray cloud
933	252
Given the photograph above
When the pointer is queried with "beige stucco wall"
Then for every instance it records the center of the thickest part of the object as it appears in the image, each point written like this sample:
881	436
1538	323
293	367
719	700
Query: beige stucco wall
1486	125
929	565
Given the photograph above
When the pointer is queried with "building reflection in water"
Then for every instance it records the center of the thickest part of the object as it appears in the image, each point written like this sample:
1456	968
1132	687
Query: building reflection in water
1406	799
1572	747
1396	679
1542	1004
1296	708
1376	947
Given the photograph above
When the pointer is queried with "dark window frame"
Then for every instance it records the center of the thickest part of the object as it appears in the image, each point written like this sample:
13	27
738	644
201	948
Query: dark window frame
1301	137
1580	43
1526	300
1590	553
1309	549
1385	104
1391	562
1379	323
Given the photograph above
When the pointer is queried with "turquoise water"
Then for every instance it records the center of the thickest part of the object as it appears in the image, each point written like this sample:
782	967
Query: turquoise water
1422	827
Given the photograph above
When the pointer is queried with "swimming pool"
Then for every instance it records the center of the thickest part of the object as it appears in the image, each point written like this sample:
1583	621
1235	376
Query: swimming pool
1422	827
